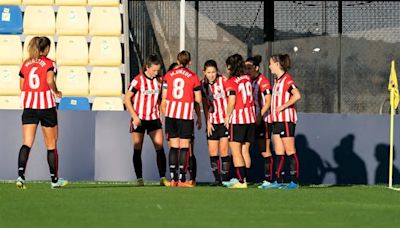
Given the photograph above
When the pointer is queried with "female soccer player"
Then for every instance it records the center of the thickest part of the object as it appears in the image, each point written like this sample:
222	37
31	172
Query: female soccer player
37	89
214	105
142	102
181	88
192	166
262	101
240	118
284	95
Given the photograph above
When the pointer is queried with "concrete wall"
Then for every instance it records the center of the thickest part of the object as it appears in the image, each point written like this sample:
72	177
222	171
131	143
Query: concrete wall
332	149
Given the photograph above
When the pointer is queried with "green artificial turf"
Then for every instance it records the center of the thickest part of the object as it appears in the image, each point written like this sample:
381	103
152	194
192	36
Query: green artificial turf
122	205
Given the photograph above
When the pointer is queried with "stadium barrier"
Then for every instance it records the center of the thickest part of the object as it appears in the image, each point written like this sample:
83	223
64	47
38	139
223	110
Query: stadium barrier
332	149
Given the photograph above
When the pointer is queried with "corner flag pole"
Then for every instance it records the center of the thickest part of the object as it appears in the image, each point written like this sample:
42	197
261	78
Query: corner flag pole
394	102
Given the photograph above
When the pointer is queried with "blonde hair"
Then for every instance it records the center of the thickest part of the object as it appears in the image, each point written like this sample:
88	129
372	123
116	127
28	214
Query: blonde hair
37	45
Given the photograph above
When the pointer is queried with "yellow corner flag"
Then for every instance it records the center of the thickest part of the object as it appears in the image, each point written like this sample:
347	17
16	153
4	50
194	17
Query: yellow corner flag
394	102
393	87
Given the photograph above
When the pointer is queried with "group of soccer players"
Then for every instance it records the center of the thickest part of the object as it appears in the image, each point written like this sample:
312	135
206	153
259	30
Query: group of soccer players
239	108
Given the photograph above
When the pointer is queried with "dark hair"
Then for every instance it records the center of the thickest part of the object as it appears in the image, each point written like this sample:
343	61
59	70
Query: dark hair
184	58
255	60
37	45
151	60
210	63
284	61
172	66
235	65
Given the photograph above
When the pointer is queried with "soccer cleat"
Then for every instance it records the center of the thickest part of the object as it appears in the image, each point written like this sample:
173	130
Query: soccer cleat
269	185
20	183
185	184
192	182
291	185
59	184
139	182
238	185
173	183
164	182
230	183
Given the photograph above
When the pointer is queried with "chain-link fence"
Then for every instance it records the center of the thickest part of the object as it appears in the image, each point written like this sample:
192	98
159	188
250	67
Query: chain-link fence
341	51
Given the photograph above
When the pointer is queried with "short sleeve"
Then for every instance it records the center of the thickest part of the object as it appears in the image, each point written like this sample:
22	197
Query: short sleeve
135	85
290	85
196	83
230	87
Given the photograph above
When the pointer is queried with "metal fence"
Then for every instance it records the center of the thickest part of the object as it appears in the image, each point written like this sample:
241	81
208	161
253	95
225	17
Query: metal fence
341	51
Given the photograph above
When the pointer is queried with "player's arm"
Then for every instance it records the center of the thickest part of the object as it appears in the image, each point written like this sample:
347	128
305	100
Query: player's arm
21	83
198	99
293	99
52	84
129	105
231	106
267	101
163	99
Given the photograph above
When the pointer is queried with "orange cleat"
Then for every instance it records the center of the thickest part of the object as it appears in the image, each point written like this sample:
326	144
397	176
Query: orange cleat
191	182
185	184
173	183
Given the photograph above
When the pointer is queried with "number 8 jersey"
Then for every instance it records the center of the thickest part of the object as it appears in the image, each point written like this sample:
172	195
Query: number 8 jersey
36	93
244	111
180	85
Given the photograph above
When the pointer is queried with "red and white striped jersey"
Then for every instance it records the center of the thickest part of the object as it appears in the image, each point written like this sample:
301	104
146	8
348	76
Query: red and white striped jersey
261	88
180	85
244	111
281	93
146	99
36	93
216	98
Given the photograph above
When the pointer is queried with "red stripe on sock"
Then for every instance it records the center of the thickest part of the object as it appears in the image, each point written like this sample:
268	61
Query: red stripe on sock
297	165
187	161
218	164
271	168
238	173
280	165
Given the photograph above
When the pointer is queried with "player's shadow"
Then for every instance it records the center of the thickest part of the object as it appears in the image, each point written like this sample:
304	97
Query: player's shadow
312	169
382	171
351	168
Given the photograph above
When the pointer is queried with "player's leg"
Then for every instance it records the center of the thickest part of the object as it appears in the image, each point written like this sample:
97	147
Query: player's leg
223	150
192	166
268	159
184	144
185	132
29	132
239	164
214	160
157	139
278	129
290	149
173	155
49	122
137	139
247	140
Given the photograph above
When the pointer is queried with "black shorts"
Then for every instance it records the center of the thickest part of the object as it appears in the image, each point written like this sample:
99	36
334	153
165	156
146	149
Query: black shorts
242	133
220	131
178	128
147	125
284	129
263	131
46	117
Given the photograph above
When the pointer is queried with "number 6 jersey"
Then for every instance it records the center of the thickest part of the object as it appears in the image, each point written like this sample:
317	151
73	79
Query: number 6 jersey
180	85
36	93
